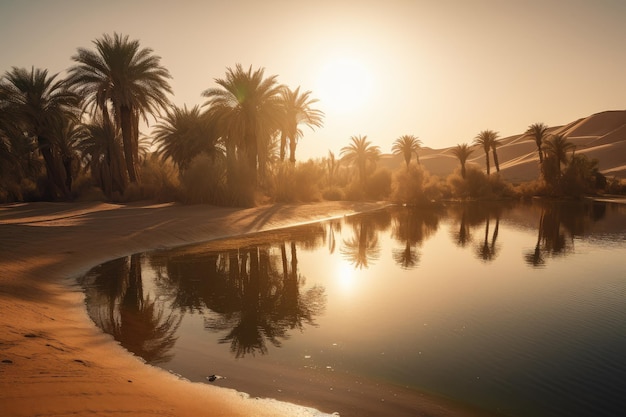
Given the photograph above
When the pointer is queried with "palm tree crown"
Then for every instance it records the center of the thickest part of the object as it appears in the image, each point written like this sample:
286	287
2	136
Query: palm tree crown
539	132
487	139
127	78
35	104
297	109
462	152
183	134
247	106
407	146
557	148
361	153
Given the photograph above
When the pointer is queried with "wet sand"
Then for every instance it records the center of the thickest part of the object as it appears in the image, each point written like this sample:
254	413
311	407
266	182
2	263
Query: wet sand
54	361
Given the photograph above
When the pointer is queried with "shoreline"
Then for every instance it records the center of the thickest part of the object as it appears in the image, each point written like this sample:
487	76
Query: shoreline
52	352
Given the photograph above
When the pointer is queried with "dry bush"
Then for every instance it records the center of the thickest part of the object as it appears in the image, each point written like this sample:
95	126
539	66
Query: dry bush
205	182
160	180
477	185
297	183
333	194
376	187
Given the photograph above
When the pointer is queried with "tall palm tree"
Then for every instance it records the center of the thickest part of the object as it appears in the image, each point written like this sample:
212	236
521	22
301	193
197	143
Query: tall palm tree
486	139
36	103
360	153
126	78
539	132
248	107
296	109
557	147
407	146
462	152
182	134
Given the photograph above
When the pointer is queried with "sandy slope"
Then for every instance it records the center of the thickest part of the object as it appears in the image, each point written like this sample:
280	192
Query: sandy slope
55	362
601	136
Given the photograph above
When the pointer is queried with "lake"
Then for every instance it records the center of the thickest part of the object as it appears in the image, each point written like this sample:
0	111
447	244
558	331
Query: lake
518	309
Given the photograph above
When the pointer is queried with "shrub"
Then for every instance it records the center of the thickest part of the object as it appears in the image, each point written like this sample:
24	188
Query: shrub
408	186
333	194
205	182
297	183
160	180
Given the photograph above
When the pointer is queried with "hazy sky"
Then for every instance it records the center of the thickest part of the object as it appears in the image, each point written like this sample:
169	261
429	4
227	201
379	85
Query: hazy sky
442	70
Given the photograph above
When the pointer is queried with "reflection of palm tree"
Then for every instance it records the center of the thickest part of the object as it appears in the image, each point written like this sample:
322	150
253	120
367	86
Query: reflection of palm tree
535	257
362	248
412	227
487	251
135	320
252	301
463	237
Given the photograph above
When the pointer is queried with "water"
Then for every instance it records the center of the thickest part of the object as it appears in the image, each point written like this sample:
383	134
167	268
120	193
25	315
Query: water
517	309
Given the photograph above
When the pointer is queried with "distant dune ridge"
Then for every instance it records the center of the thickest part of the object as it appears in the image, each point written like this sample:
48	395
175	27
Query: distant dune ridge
601	136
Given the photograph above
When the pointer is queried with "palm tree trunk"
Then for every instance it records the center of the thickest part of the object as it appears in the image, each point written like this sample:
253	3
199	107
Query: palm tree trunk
487	162
292	149
51	167
283	145
495	159
126	116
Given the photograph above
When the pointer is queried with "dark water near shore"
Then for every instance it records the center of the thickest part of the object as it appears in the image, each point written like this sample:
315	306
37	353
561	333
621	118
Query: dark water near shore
519	309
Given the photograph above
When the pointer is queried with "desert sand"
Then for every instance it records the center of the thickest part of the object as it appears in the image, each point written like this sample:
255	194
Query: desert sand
600	136
55	362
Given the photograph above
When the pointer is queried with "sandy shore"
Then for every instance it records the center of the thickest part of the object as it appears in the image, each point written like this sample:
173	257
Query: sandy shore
53	359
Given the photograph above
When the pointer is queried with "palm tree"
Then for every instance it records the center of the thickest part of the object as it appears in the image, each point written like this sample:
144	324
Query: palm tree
360	153
99	144
485	139
407	145
247	106
332	166
35	103
557	148
296	109
462	152
538	131
183	134
127	78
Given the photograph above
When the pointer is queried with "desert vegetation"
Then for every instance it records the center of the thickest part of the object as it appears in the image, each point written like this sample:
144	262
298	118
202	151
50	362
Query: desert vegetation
79	137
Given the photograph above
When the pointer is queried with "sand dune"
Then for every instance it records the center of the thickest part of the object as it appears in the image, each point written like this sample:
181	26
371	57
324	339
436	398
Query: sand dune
601	136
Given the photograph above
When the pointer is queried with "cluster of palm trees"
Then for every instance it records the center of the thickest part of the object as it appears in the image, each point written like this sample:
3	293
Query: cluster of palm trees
90	120
551	148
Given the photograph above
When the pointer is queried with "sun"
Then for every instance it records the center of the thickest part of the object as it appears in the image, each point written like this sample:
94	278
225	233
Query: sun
344	85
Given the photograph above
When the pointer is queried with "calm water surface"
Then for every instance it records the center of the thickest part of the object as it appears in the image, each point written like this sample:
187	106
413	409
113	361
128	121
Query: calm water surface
515	309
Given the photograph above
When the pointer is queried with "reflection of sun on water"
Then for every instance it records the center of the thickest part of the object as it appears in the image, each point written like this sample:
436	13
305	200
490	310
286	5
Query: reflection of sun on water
344	86
346	277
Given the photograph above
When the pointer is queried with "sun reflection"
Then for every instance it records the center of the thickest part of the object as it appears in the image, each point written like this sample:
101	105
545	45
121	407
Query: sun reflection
346	277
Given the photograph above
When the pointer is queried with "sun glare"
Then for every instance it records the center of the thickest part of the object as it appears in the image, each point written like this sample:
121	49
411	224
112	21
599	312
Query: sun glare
344	85
346	277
